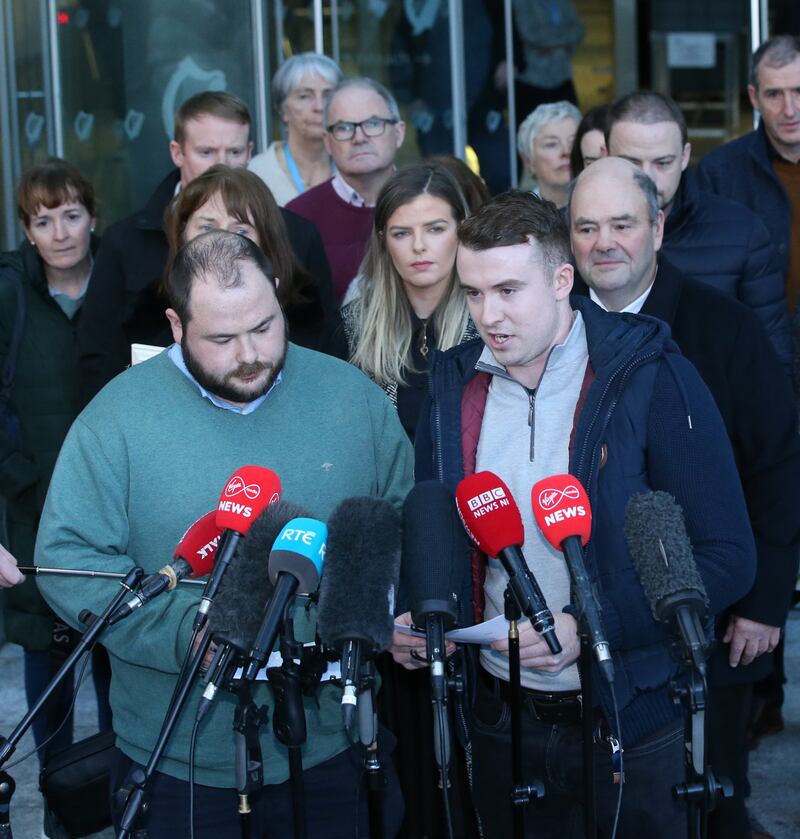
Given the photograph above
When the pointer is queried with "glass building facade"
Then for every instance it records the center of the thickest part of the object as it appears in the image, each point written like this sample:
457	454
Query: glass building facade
98	81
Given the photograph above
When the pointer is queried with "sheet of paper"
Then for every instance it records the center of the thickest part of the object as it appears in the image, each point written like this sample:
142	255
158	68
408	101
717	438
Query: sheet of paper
482	633
333	671
141	352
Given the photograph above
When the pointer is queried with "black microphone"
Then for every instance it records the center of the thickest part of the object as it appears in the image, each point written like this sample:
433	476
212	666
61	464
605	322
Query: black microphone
358	587
434	548
235	614
662	553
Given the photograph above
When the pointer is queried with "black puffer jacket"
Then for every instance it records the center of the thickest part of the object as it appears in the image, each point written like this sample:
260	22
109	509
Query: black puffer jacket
46	397
717	241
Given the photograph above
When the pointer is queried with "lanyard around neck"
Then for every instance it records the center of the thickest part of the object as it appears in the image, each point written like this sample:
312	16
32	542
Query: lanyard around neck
292	166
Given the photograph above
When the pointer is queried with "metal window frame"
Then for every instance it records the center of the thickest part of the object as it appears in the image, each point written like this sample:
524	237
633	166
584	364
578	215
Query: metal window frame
9	121
51	65
262	112
458	89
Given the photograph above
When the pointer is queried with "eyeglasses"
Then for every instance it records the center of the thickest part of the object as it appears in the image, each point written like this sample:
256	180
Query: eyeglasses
372	127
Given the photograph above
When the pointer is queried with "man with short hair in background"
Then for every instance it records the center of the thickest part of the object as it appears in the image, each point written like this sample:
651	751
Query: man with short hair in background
616	228
762	169
363	135
706	237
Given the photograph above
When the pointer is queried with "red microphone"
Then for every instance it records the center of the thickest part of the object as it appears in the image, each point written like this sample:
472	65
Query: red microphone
246	494
562	511
493	521
193	557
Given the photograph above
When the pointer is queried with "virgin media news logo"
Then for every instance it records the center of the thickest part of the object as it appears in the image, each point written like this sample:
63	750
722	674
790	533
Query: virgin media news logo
237	486
551	498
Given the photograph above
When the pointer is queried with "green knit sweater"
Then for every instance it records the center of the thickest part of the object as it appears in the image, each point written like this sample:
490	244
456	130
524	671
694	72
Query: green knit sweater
150	455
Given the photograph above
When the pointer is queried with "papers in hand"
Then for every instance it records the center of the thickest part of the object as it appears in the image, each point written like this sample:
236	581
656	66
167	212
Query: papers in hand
482	633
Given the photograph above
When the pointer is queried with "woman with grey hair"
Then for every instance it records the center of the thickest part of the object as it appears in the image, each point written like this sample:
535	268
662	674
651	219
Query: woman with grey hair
300	87
544	142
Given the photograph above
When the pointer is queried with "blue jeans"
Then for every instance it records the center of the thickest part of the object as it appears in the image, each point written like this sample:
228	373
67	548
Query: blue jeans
553	754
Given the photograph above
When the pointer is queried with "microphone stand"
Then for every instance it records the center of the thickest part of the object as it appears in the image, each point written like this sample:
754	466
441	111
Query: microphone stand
136	795
701	790
368	734
289	718
521	794
247	721
7	787
587	726
96	626
43	571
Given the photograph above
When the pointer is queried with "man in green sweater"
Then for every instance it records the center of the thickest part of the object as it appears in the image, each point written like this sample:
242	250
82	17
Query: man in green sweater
148	456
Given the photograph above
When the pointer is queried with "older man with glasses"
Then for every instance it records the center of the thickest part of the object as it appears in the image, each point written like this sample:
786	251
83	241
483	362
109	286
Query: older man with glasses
364	132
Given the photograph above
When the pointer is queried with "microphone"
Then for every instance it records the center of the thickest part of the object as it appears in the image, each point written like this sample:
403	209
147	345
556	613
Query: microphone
295	564
492	519
193	557
357	590
662	554
235	614
248	491
434	546
562	511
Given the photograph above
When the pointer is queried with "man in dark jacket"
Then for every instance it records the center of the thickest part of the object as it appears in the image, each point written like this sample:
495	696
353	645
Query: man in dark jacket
730	349
760	170
707	238
550	389
122	306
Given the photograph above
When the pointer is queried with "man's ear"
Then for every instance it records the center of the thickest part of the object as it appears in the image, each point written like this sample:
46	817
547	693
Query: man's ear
176	153
175	325
563	280
753	94
658	230
686	155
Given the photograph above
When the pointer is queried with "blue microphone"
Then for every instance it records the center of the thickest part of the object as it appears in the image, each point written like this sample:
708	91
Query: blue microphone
295	565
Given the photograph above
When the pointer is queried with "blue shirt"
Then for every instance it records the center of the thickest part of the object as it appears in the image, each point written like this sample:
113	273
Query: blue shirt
175	354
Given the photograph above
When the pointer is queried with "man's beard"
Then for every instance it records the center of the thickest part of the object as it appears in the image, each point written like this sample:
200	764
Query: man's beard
226	387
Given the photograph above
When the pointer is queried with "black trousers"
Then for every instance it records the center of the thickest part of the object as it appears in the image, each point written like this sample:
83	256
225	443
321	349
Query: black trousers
727	718
553	754
336	804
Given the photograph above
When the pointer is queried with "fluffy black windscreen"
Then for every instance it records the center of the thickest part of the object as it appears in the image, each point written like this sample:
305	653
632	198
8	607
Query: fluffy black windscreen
245	590
659	544
360	575
434	546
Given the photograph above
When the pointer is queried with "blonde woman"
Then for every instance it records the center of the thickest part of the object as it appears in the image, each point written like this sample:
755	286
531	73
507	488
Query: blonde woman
409	302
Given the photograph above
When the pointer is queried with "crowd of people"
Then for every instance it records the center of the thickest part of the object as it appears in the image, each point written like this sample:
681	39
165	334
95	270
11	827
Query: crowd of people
358	326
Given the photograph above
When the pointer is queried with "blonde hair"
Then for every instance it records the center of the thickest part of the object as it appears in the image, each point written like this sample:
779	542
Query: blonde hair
383	319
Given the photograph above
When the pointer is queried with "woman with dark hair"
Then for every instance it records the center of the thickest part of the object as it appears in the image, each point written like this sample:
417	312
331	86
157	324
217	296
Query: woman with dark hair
474	188
590	140
42	286
237	200
409	300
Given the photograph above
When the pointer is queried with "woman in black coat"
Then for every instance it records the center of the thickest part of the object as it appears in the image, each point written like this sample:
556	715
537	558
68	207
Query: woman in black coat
42	285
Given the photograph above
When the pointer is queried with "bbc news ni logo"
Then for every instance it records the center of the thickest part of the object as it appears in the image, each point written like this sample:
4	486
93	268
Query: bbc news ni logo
489	500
